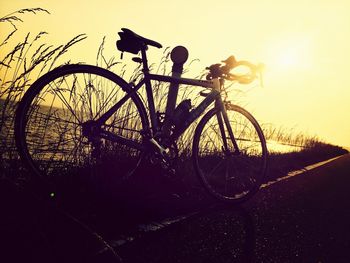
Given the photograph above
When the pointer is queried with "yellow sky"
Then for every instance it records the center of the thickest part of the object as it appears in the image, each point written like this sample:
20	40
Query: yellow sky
304	45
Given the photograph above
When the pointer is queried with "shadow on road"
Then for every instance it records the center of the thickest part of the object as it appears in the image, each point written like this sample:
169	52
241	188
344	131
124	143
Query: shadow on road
44	232
215	234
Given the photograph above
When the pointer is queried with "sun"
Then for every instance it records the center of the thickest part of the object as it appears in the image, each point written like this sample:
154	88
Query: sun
288	58
290	54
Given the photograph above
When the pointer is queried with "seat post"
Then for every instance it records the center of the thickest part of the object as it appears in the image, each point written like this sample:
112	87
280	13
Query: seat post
178	56
144	60
149	92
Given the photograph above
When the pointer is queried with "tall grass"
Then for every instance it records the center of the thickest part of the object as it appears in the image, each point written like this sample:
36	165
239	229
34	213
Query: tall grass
296	141
24	61
287	136
32	57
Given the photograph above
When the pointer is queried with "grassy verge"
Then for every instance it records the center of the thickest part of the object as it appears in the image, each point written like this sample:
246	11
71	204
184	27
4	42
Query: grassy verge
281	164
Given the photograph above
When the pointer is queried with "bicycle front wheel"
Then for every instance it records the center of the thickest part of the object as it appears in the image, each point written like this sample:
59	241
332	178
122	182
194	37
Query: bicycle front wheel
227	174
51	118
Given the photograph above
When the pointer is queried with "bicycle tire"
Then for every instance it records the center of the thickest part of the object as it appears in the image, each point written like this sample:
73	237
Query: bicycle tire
48	122
239	177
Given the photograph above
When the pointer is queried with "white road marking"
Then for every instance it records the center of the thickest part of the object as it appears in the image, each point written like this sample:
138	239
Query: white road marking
300	171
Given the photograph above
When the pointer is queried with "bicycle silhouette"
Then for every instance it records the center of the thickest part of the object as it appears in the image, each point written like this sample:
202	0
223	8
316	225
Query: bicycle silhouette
76	115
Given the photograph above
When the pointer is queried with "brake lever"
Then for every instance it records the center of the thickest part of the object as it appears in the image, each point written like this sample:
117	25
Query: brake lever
214	71
260	68
261	79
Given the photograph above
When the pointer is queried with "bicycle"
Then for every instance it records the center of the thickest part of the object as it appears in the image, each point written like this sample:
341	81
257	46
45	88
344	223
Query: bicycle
77	114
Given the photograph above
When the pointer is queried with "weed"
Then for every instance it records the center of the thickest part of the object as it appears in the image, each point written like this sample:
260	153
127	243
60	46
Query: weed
25	62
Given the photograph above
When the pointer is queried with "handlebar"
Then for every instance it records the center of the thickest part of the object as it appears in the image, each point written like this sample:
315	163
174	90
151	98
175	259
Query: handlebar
223	71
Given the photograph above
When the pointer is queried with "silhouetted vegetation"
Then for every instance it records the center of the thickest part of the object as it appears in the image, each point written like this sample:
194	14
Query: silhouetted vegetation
32	57
22	63
313	151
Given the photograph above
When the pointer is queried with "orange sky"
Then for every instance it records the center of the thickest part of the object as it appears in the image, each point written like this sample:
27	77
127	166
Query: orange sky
304	45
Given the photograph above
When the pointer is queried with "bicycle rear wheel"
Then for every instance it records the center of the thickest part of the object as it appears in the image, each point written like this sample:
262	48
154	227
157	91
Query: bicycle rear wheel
49	123
227	175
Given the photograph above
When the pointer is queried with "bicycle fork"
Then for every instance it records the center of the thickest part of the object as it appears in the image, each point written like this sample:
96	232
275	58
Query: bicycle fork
223	121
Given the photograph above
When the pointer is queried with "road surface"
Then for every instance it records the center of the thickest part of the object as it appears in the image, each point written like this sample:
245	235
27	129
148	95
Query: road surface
305	218
302	219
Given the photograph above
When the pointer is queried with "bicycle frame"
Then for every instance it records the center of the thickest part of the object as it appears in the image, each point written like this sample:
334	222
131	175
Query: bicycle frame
210	97
214	95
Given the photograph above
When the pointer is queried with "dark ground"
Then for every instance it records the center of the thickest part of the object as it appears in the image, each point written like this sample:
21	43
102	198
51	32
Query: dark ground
302	219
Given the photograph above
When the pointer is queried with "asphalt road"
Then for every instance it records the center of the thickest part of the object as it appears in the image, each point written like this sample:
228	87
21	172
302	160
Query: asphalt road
302	219
305	218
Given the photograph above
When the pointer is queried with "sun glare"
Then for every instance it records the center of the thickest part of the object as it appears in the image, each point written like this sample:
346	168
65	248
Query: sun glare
288	58
290	54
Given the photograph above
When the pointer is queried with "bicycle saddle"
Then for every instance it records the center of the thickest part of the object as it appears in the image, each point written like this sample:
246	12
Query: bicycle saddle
133	43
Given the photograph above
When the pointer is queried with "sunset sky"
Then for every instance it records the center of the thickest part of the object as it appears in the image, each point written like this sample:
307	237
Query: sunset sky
305	46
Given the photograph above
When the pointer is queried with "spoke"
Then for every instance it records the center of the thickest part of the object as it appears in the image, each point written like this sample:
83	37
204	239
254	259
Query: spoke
54	118
78	99
210	138
250	162
66	103
216	166
88	88
245	126
251	146
121	128
107	101
126	118
75	149
239	176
